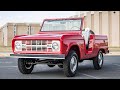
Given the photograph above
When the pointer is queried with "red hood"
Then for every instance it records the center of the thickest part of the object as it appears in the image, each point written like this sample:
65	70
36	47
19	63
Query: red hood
47	35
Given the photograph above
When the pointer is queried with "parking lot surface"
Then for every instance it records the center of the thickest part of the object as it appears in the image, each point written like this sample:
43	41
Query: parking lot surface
110	70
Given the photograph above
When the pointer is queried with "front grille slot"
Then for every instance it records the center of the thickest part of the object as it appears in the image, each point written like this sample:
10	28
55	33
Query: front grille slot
34	42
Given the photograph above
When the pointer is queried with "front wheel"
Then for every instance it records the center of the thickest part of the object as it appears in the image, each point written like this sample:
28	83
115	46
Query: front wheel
25	66
70	64
60	66
98	61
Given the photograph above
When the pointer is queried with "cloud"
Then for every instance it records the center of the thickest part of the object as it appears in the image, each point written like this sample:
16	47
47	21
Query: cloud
19	16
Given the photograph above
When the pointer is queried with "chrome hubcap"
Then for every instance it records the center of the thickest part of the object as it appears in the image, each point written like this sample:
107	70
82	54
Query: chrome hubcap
27	64
100	59
73	64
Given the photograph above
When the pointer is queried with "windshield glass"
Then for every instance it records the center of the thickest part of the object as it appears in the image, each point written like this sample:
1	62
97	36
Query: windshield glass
61	25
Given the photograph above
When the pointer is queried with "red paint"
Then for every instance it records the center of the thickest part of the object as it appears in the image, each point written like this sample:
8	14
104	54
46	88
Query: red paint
67	40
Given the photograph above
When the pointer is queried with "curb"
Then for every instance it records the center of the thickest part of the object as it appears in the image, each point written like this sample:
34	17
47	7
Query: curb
113	53
5	55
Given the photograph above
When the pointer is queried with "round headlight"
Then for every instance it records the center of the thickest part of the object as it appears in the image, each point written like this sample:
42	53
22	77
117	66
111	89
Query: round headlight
18	45
55	46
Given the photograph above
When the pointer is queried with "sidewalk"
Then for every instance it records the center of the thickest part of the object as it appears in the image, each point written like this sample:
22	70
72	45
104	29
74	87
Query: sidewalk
7	54
114	53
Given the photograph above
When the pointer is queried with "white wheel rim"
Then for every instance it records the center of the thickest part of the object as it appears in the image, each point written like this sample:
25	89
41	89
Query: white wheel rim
100	59
73	64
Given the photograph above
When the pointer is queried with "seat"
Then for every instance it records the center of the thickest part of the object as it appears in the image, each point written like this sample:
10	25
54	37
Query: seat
86	34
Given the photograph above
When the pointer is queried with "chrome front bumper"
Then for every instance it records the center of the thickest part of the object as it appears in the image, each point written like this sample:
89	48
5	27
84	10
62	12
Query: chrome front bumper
39	56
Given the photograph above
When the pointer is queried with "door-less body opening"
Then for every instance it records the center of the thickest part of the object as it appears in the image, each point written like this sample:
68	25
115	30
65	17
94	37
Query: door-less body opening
88	37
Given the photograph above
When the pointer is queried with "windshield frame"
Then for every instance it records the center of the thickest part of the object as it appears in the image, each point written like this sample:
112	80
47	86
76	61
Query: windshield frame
63	19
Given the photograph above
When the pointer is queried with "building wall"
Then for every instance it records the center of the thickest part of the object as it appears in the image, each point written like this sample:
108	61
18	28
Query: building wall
21	30
3	36
5	33
12	29
10	34
105	23
115	29
96	22
35	28
88	20
1	41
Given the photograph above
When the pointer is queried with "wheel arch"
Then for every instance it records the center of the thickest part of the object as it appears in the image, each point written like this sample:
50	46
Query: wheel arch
103	50
76	48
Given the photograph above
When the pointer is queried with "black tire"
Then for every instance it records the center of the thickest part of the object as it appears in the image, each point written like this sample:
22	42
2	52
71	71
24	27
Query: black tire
81	61
51	65
98	63
23	67
66	64
60	66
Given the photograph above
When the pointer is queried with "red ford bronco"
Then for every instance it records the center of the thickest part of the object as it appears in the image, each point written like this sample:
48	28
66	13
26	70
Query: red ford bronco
61	42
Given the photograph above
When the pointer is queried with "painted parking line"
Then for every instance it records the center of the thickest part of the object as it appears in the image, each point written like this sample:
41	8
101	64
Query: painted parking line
117	65
94	77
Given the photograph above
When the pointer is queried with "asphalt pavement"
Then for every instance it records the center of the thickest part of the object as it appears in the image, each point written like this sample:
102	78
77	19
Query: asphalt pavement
110	70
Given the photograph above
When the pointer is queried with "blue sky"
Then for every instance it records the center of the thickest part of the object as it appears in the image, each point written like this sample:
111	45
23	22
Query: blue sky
31	16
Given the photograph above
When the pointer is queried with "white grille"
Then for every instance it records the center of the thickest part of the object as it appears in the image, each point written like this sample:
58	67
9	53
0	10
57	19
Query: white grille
37	45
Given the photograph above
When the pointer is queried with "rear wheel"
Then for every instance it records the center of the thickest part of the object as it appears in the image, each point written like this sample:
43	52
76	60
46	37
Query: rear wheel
98	61
25	66
70	64
81	61
60	66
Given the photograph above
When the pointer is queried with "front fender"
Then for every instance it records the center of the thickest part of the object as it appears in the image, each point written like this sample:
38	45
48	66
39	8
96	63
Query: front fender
70	46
